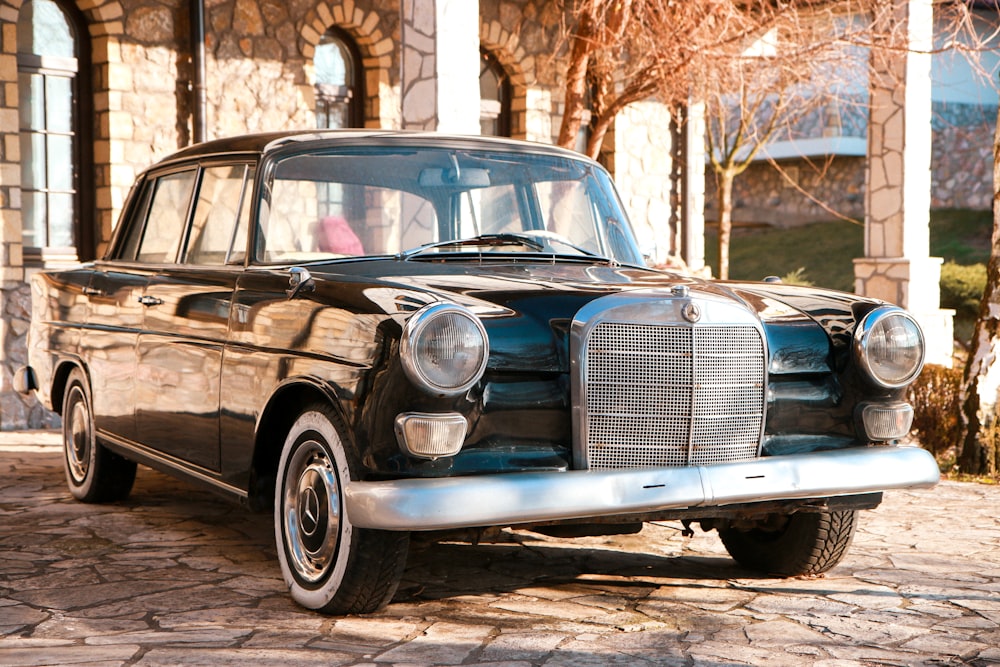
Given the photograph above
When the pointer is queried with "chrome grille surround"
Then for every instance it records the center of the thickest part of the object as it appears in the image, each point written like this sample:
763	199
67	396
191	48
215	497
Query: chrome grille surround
651	389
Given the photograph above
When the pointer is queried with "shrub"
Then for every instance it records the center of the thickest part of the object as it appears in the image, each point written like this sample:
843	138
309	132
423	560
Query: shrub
937	408
797	277
962	288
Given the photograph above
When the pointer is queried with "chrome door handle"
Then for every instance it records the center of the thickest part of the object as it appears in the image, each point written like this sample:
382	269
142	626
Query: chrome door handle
147	300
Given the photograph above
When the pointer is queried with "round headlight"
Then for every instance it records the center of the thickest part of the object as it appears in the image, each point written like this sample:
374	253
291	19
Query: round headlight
890	346
444	349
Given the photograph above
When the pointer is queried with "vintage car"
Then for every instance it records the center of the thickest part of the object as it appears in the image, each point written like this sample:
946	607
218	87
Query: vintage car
373	333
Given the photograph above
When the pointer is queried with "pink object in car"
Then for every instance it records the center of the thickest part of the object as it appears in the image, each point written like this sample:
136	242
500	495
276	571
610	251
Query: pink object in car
337	236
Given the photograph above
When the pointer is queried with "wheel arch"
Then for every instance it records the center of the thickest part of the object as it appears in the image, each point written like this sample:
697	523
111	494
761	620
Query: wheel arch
60	378
280	411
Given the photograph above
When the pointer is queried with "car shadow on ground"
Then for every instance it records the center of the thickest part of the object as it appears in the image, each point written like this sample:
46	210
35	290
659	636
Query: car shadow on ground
164	511
436	571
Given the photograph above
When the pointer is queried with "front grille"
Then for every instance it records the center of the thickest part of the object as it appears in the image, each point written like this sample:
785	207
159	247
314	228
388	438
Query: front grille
665	395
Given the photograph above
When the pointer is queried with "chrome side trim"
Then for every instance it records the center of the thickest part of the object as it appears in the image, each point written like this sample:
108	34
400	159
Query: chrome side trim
168	464
501	500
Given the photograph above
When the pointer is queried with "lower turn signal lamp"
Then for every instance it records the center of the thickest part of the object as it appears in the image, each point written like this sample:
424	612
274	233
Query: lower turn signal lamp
431	435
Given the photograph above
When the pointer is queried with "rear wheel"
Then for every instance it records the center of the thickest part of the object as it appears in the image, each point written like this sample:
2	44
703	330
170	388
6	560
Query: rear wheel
329	565
94	474
792	544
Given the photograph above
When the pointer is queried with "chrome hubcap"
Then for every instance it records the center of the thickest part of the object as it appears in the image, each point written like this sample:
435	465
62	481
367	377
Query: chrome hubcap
311	511
77	436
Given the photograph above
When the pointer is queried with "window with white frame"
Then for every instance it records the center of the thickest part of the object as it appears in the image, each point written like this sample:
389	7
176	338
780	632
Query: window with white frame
55	188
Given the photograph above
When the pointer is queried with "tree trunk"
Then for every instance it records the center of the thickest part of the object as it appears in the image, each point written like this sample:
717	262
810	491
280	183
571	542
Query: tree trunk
726	178
979	413
576	84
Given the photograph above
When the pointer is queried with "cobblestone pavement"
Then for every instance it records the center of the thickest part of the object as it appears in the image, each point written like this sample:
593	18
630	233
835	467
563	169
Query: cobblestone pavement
177	576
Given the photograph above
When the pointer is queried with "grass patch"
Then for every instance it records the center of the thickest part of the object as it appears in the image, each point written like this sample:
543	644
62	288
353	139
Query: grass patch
961	236
825	251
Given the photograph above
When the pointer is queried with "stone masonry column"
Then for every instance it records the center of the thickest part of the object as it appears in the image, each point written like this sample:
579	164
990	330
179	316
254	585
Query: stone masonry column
440	65
693	218
15	298
897	266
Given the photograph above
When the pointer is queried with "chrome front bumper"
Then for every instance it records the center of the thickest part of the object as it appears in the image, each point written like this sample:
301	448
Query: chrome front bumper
510	499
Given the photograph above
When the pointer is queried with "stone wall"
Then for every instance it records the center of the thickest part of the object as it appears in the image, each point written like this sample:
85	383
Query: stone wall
962	156
809	191
961	173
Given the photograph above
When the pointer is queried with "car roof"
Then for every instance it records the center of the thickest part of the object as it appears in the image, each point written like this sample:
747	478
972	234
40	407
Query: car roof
262	143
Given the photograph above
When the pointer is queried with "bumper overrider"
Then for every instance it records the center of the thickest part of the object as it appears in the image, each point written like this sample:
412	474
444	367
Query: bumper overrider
518	498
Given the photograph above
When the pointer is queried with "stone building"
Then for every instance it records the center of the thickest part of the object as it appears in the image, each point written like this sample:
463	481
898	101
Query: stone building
92	91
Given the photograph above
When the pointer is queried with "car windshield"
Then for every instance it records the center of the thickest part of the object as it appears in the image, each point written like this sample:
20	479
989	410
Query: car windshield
420	202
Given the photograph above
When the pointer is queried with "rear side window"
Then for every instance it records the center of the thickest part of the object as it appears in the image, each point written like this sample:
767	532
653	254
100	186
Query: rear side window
167	214
221	215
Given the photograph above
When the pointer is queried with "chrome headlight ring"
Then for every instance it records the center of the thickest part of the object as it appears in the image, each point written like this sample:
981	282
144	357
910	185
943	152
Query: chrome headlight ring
444	349
889	347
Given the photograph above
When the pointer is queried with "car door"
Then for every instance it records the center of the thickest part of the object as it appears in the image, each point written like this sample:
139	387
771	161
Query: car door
186	302
114	318
109	343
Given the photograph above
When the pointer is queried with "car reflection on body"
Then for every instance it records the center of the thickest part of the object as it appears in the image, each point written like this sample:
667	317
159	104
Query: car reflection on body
369	334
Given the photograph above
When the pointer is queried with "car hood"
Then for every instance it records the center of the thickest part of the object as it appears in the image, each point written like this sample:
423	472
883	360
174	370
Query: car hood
527	307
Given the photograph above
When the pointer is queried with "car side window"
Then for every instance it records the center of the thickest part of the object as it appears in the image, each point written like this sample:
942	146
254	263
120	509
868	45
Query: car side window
219	226
168	210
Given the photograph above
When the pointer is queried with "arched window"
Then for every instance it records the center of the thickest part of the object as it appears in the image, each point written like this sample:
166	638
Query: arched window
494	97
54	112
339	81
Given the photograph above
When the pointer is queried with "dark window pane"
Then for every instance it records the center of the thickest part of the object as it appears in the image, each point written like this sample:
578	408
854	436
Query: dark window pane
494	97
489	82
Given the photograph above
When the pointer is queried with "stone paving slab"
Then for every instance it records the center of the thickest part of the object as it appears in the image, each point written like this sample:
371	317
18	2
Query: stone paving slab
176	575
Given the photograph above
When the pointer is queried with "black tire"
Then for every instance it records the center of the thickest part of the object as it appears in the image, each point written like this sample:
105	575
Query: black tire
805	543
329	565
94	474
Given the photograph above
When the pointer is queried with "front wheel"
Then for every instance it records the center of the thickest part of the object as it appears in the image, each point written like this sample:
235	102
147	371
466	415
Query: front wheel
94	474
805	543
329	565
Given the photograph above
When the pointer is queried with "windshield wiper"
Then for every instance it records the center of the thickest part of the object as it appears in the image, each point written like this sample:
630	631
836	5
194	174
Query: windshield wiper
491	240
554	237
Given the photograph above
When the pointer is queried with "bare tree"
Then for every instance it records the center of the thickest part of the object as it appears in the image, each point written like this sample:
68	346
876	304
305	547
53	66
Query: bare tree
978	449
721	52
625	51
787	63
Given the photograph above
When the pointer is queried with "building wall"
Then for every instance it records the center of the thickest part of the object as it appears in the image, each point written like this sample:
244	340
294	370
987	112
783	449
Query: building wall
831	186
259	77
